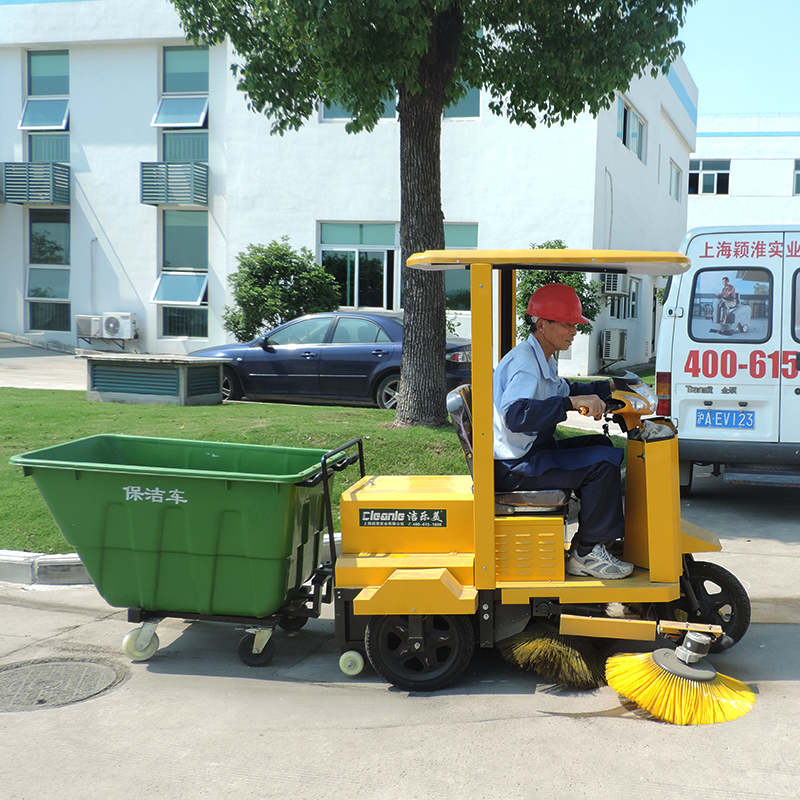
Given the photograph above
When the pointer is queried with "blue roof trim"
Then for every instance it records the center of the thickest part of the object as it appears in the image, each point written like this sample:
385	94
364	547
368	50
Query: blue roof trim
747	134
683	95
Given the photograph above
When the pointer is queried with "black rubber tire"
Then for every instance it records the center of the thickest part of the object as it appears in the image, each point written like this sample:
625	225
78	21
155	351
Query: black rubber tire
291	622
252	659
449	642
387	391
231	387
723	601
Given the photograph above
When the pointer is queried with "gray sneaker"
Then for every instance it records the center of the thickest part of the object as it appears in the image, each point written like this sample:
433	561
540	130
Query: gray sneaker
598	563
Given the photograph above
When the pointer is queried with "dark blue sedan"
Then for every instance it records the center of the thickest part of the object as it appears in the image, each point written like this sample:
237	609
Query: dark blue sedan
345	357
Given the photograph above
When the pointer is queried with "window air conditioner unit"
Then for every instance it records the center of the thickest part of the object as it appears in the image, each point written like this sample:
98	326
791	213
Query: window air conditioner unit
614	283
89	327
118	325
614	341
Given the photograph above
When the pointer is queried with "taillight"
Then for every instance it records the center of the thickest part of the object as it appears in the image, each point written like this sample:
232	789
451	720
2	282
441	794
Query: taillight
460	356
663	383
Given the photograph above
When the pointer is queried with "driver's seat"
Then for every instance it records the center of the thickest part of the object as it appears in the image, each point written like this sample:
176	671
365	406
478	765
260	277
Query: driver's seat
541	501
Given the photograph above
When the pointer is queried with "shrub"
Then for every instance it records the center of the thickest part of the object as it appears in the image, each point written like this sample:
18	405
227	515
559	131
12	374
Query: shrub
274	284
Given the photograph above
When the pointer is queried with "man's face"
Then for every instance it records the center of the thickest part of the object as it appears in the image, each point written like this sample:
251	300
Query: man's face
558	335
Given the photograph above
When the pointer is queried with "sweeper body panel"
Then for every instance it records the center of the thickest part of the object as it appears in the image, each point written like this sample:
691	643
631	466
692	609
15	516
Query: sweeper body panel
430	565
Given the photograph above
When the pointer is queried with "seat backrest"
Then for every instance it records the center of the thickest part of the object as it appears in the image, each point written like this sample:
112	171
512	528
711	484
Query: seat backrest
546	501
459	405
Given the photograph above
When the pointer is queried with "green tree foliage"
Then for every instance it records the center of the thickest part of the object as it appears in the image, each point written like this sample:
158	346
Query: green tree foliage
528	281
274	284
540	62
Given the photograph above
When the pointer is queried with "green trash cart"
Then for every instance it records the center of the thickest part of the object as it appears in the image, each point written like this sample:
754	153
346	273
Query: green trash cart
197	530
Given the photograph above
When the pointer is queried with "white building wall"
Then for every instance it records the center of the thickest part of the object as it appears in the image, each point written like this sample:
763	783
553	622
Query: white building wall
762	150
576	182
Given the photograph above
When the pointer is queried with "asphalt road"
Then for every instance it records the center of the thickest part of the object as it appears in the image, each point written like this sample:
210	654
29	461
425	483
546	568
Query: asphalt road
194	722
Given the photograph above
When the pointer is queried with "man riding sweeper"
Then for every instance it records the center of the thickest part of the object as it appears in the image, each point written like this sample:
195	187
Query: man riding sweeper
530	399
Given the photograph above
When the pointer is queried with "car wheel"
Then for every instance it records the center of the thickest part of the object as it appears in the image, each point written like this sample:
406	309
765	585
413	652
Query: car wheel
387	392
231	388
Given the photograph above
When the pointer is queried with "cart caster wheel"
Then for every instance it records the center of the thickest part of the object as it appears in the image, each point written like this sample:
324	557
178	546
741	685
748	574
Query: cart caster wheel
252	659
351	662
130	649
290	622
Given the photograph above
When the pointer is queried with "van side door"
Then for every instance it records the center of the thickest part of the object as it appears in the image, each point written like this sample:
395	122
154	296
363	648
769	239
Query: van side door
727	382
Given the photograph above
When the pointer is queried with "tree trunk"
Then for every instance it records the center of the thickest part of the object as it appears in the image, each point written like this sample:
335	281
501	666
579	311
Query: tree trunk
423	390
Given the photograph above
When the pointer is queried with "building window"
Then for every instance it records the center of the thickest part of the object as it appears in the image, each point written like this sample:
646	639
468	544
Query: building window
361	256
709	177
181	290
675	179
468	106
634	290
335	111
184	99
47	104
797	176
456	281
48	148
47	291
630	128
185	146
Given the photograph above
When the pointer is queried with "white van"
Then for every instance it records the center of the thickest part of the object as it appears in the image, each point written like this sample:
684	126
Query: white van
728	355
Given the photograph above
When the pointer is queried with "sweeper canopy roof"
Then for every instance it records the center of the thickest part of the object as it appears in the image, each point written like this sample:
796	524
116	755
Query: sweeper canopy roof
635	262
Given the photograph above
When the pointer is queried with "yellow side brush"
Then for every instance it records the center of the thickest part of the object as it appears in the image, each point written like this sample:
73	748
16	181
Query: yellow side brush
570	661
674	688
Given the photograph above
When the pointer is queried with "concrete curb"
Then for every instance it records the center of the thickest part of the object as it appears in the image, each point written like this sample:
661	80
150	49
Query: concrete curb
42	568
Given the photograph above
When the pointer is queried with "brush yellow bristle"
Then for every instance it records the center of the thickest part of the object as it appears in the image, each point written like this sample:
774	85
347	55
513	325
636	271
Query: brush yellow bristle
566	660
675	699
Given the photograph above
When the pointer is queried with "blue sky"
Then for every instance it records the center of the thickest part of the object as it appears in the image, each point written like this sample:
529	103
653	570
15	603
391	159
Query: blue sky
744	55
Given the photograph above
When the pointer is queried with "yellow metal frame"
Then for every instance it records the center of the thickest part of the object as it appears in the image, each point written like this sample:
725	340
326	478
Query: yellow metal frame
402	568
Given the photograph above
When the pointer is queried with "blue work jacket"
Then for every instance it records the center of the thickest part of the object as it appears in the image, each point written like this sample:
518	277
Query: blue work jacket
530	399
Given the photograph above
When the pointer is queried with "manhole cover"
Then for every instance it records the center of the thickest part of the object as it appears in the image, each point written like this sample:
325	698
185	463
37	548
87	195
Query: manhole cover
55	682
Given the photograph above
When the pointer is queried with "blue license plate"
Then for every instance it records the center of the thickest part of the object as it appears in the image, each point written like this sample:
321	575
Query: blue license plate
744	420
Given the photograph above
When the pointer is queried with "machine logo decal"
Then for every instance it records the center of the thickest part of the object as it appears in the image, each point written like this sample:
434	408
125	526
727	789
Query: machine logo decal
402	517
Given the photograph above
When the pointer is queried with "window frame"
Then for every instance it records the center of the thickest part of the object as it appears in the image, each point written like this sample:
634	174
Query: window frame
199	117
200	294
55	125
675	180
727	272
636	142
702	172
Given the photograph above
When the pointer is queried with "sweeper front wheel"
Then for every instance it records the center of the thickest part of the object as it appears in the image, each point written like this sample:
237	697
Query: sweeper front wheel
721	599
422	653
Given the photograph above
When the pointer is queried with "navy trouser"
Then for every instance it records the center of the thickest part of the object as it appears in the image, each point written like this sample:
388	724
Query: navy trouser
598	486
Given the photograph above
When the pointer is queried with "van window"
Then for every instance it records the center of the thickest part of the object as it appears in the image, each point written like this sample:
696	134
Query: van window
796	307
733	305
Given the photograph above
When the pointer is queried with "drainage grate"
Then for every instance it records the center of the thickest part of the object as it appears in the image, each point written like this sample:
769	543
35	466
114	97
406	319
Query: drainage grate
53	682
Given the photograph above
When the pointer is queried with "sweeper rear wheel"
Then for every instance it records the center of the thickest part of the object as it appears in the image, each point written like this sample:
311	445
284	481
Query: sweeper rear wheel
722	601
420	654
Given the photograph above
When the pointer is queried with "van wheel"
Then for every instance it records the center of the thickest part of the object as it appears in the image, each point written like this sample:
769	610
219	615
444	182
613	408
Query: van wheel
685	474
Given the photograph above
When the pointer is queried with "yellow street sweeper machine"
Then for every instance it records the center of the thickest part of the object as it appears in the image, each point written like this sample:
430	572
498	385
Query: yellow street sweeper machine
433	565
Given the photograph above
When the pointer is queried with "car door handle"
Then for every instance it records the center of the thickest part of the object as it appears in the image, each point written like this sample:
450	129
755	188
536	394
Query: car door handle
379	352
309	354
